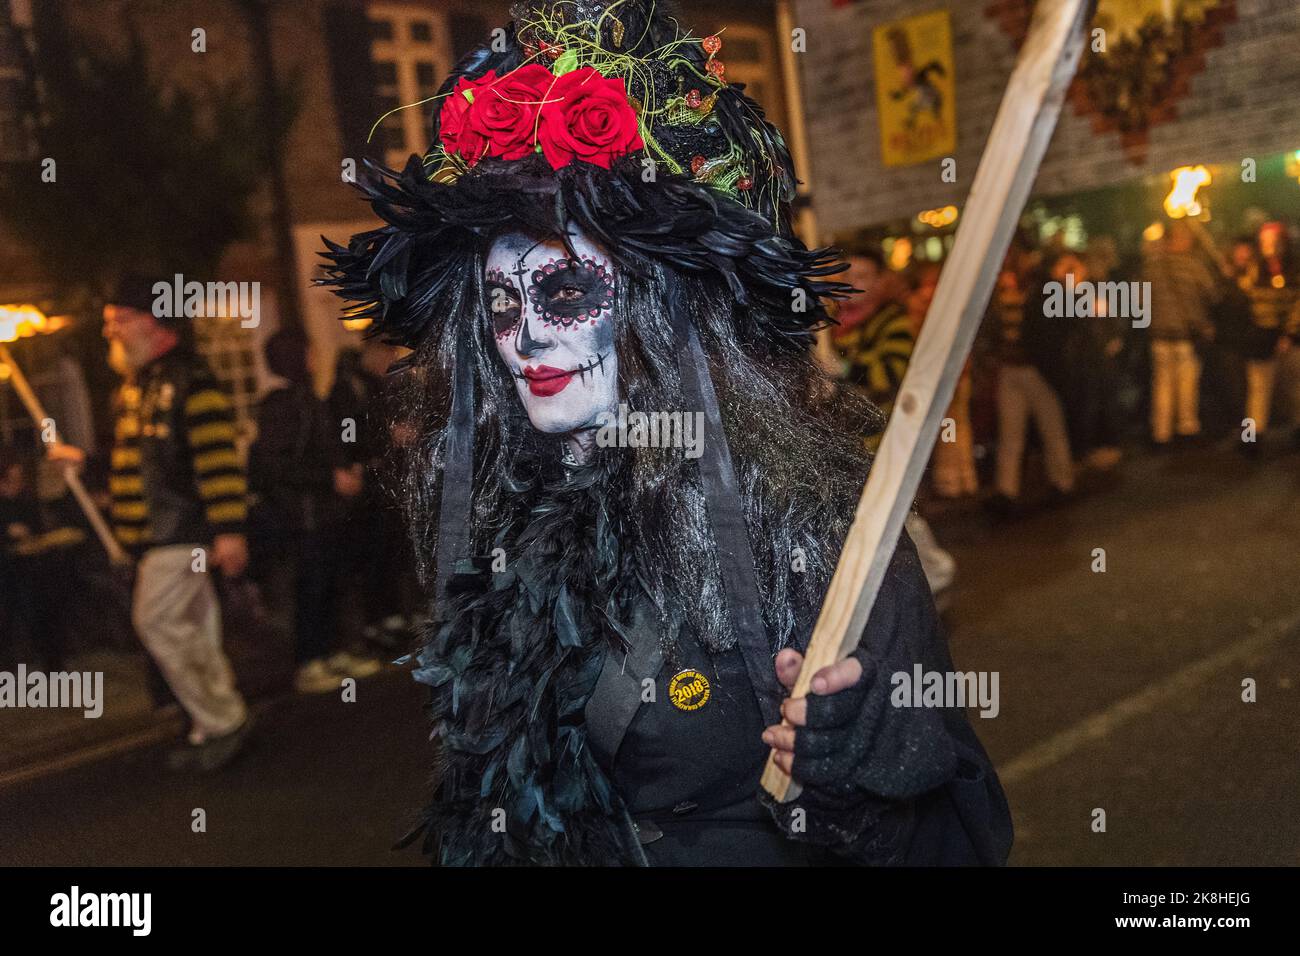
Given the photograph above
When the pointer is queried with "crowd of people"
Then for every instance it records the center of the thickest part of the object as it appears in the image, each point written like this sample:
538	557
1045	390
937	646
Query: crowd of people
1206	349
302	517
321	523
305	515
40	546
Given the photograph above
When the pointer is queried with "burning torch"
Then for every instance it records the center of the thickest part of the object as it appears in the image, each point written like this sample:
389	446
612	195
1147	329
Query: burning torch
24	321
1184	203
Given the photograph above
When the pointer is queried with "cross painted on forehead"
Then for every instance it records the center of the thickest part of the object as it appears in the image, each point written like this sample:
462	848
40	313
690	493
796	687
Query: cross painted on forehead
521	269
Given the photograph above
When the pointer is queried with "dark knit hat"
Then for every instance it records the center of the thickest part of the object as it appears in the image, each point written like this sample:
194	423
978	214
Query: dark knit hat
134	291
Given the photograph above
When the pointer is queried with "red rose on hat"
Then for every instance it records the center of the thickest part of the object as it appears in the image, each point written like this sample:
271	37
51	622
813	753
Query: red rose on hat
588	117
451	120
505	112
499	118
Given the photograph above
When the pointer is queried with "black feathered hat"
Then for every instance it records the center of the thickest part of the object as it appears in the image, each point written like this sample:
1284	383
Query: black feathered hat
690	175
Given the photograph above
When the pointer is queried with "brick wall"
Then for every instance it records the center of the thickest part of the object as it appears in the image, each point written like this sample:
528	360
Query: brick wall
1242	104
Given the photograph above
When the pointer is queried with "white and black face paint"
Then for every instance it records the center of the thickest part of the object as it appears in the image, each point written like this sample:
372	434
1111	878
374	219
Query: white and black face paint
552	315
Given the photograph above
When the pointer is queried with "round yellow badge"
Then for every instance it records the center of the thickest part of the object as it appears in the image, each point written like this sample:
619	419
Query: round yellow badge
689	690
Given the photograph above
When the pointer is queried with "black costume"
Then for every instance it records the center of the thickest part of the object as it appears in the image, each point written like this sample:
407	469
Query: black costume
601	649
296	521
175	476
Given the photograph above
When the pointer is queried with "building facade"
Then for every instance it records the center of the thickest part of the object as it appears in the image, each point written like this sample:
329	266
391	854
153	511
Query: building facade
362	73
1163	84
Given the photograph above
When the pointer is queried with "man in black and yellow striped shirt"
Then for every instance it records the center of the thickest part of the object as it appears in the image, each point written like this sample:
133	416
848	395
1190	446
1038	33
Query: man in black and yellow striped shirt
175	474
179	505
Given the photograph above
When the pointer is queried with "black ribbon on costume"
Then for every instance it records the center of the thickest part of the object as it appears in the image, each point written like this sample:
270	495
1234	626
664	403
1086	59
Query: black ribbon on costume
457	472
726	514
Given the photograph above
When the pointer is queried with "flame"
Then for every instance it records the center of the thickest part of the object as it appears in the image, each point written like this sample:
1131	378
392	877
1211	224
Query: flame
900	253
24	321
1181	200
938	218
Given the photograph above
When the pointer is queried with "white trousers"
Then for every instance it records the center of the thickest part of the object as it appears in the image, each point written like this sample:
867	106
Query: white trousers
940	566
953	466
1261	377
1175	390
178	617
1022	393
1272	382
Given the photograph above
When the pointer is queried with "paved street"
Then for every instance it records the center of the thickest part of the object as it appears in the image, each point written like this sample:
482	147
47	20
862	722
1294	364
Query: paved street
326	783
1119	690
1122	690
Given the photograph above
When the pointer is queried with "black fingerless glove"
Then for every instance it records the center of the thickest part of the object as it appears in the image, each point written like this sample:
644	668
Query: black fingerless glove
867	829
861	762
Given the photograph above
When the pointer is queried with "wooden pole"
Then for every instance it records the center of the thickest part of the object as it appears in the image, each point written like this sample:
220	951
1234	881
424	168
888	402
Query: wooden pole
1207	243
70	476
1021	131
796	127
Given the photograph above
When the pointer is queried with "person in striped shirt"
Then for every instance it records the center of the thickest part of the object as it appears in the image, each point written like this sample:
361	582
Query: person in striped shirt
179	506
873	333
1266	273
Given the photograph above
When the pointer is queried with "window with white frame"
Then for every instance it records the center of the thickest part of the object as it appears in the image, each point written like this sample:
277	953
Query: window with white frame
411	53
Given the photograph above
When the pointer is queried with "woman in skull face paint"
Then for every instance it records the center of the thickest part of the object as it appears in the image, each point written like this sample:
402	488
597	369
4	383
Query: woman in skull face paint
613	626
552	317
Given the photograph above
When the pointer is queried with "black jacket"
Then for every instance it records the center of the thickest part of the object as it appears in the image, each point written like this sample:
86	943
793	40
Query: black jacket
540	674
176	476
291	464
688	777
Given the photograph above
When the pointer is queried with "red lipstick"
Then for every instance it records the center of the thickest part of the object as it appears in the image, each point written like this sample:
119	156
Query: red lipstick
545	381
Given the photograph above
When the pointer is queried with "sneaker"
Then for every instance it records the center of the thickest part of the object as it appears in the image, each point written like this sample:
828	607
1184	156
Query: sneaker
213	754
316	677
182	758
391	636
349	665
1104	458
1059	497
395	628
1002	507
216	752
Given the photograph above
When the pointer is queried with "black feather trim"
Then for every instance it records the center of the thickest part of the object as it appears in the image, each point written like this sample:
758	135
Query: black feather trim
402	274
512	658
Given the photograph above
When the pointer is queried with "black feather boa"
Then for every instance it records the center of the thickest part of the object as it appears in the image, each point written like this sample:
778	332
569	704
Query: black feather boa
512	658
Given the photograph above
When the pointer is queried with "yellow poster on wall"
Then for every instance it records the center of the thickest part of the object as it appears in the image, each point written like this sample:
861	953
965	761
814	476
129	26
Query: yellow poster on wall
915	87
